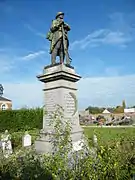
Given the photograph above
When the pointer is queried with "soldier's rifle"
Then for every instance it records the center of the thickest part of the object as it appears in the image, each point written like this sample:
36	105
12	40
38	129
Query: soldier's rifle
68	59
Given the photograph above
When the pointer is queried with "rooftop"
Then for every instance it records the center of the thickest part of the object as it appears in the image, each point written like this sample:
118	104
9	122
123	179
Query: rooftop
4	99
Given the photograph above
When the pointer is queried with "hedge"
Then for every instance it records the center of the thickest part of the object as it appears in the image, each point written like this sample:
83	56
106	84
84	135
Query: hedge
19	120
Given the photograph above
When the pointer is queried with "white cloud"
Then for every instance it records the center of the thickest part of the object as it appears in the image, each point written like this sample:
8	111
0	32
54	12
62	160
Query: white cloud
117	38
33	55
99	91
100	37
120	31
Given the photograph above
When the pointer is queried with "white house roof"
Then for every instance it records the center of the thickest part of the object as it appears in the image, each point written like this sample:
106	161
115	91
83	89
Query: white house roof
106	112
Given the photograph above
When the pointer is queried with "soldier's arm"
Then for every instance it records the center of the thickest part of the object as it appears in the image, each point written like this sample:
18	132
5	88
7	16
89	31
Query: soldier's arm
55	25
67	27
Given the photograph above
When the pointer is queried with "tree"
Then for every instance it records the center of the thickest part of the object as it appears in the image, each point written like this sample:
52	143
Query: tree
123	104
94	110
119	109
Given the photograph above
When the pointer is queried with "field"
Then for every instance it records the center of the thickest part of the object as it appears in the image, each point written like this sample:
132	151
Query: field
110	134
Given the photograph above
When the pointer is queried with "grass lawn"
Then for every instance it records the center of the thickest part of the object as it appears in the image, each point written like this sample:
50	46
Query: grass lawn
104	135
110	134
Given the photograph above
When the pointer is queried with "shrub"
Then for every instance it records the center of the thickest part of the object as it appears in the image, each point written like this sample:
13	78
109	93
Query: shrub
24	165
18	120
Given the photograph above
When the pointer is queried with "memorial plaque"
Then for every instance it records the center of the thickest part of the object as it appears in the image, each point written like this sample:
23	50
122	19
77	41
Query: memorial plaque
49	107
49	101
70	104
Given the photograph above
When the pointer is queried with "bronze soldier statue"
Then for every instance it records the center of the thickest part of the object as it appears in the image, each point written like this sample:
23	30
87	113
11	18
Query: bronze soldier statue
59	39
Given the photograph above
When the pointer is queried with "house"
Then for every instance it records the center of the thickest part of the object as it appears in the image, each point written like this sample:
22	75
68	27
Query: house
5	104
106	112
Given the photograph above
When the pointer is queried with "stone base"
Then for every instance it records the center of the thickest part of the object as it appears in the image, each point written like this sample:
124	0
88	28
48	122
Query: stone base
60	89
43	144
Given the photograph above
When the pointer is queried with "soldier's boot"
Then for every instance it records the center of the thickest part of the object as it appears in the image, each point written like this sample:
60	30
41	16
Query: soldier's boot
53	57
68	61
62	57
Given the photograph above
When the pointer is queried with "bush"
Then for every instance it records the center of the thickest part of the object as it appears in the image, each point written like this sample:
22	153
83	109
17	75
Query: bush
21	120
24	165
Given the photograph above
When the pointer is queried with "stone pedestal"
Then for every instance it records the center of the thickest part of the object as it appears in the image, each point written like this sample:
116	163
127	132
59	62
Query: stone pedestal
60	89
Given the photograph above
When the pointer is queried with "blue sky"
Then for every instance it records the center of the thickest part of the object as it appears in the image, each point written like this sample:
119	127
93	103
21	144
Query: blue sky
102	46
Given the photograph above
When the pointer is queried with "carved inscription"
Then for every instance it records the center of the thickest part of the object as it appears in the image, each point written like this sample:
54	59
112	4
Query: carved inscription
49	107
70	104
49	101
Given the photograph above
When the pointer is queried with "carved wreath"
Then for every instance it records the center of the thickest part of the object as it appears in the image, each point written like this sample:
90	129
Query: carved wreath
75	101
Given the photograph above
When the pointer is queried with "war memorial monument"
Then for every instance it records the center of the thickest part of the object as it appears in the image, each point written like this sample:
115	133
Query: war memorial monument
60	86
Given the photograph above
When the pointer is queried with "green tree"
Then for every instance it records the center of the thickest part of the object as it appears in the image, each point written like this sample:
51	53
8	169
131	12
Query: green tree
119	109
94	110
123	104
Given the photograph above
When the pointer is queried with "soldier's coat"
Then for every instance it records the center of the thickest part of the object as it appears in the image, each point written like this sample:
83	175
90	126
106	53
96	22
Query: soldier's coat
56	34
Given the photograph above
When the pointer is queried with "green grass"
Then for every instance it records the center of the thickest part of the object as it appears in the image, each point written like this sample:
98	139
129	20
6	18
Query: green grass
105	135
110	134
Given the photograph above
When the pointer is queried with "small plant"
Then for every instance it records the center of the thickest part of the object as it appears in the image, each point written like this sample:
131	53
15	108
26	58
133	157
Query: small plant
62	144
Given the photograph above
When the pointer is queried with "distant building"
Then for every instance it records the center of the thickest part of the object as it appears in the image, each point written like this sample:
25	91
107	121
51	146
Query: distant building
129	110
106	112
84	113
5	104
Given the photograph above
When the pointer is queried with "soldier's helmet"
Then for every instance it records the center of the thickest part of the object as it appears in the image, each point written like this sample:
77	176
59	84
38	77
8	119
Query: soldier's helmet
58	14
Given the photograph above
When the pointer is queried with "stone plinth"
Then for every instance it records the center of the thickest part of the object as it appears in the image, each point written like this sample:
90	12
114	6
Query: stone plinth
60	89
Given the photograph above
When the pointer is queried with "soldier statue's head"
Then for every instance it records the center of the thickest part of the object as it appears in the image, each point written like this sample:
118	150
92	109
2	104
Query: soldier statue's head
60	15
